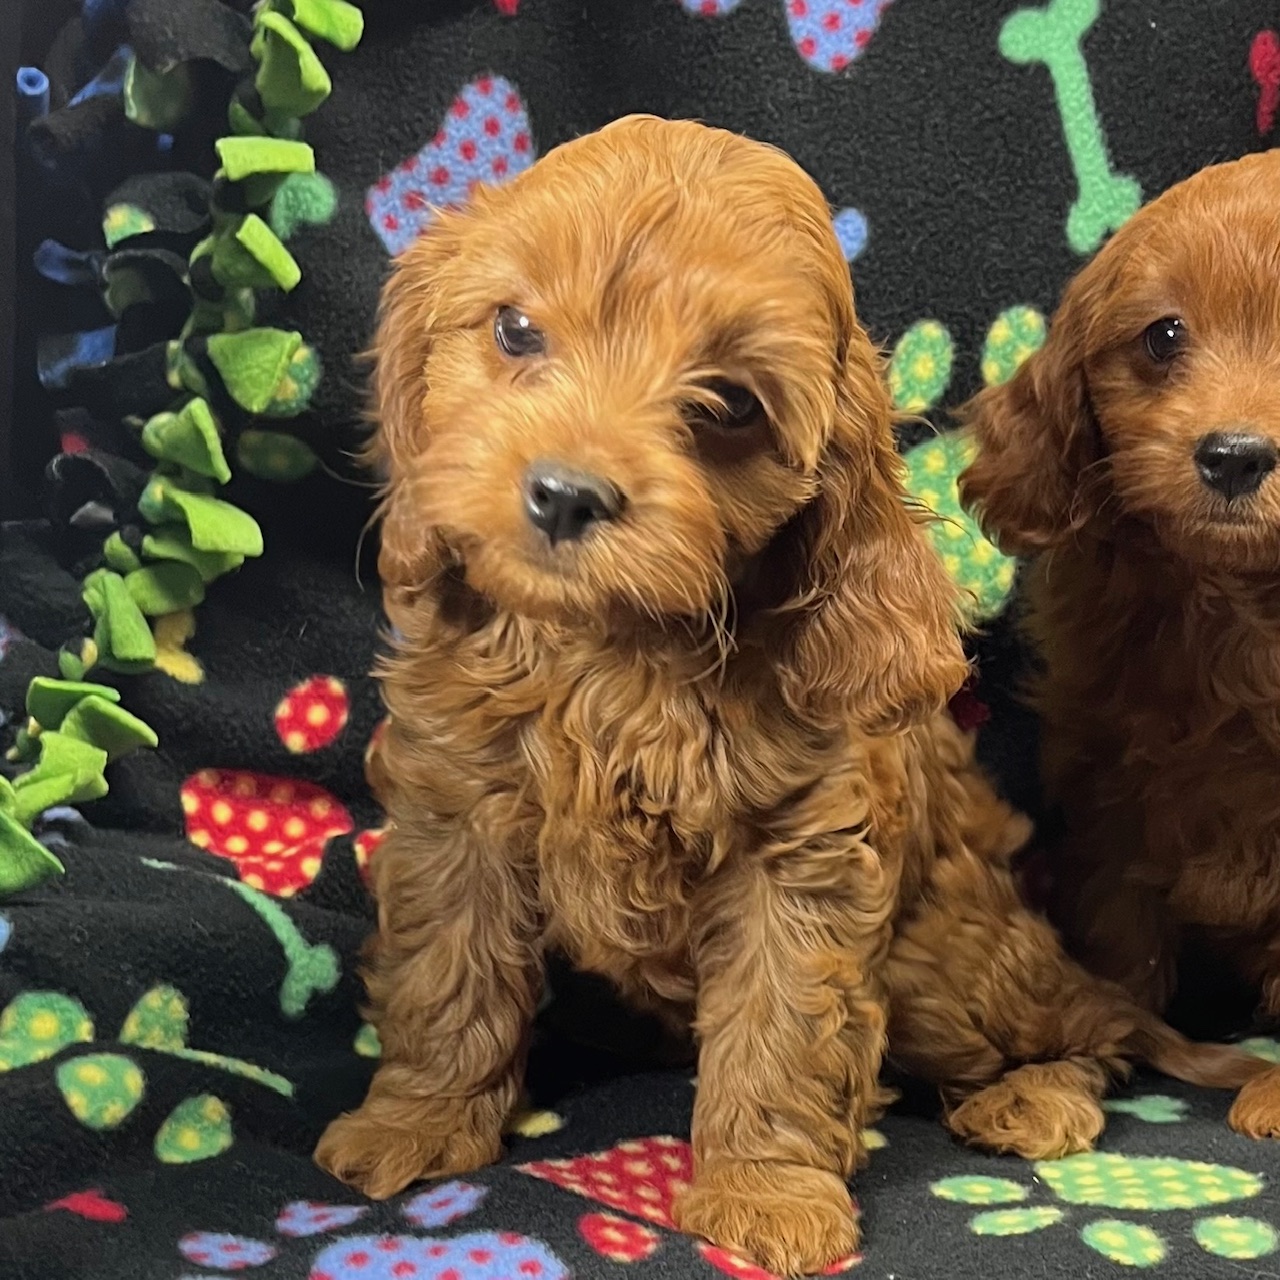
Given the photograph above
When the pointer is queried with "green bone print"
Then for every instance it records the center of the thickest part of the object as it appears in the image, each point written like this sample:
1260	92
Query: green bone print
1054	35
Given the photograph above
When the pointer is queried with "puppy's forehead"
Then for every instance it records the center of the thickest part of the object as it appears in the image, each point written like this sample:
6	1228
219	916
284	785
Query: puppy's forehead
1211	238
668	219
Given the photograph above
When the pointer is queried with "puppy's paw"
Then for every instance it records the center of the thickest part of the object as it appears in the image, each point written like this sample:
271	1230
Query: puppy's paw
792	1220
380	1156
1039	1112
1256	1110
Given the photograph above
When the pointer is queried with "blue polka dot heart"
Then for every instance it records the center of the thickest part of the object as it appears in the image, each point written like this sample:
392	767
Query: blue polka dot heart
485	138
828	34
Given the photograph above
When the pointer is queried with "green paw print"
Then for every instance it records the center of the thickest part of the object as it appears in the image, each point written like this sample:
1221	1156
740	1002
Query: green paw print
1154	1108
1133	1183
102	1089
919	374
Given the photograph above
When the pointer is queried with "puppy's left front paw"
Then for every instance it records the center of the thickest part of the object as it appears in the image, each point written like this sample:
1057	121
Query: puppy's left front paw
1256	1110
792	1220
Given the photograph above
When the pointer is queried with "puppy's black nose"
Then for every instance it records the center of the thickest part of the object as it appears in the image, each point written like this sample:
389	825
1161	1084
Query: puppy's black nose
1233	463
565	503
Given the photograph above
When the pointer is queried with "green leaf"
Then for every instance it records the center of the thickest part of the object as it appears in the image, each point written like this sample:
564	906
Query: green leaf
100	1089
271	455
291	79
212	525
122	634
24	863
252	364
218	526
158	1020
173	542
119	555
37	1024
189	438
113	729
69	771
165	588
48	701
157	100
253	256
335	21
196	1129
123	221
244	157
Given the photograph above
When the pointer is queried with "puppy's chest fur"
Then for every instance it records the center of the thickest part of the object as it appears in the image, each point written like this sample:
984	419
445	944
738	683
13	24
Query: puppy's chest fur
1170	708
649	779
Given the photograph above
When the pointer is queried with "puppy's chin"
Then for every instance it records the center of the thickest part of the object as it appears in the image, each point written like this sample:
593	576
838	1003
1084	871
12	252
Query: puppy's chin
1235	541
592	587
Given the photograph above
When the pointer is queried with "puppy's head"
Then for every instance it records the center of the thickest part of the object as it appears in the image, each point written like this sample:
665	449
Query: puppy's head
631	384
1156	398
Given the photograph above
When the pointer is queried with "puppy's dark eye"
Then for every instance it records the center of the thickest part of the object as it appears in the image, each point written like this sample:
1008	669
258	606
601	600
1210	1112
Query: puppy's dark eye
732	408
1164	339
515	334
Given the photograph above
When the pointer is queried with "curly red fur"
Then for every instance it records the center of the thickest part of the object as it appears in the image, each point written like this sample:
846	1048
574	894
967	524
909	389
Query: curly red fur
1154	601
701	749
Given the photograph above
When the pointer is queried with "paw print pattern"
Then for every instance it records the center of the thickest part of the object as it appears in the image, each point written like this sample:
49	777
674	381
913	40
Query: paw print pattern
485	139
443	1205
477	1255
1134	1183
828	34
225	1252
310	1217
642	1177
482	1255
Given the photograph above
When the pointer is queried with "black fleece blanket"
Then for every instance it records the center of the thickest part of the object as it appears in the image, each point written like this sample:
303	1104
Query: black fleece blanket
179	1011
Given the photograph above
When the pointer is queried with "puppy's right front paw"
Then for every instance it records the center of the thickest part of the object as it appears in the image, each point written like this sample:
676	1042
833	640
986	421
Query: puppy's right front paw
380	1158
792	1220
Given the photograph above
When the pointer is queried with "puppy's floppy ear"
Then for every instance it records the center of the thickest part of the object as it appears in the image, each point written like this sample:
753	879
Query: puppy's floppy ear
875	632
407	320
1036	438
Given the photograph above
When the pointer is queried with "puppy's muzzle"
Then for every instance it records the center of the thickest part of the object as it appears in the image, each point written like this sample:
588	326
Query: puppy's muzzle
1234	464
565	503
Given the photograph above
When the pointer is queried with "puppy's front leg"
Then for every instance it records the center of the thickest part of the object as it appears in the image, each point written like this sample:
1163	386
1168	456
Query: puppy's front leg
453	984
792	1031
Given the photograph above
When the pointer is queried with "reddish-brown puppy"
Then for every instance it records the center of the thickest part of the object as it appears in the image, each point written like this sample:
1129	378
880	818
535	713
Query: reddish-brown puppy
669	656
1133	458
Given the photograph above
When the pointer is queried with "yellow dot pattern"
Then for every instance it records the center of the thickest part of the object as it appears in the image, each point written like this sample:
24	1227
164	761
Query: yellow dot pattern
920	368
1014	1222
38	1024
157	1021
1014	335
1124	1242
977	1189
197	1129
982	572
1239	1238
100	1089
1145	1182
